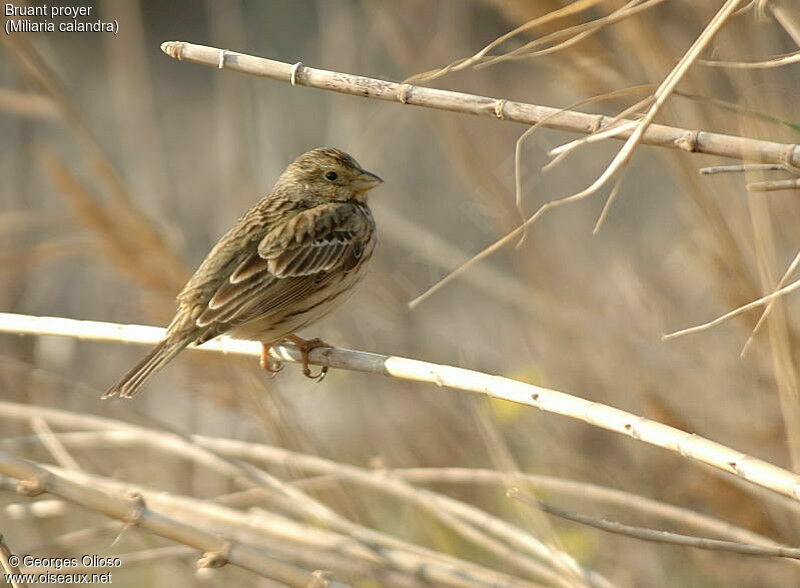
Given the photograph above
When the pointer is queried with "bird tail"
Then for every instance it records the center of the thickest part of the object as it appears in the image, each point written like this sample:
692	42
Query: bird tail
141	372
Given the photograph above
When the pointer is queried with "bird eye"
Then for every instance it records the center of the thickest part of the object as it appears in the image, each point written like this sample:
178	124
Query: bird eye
331	176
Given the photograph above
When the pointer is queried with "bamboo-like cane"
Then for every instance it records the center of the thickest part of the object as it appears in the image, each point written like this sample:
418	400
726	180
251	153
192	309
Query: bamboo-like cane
35	480
689	445
743	148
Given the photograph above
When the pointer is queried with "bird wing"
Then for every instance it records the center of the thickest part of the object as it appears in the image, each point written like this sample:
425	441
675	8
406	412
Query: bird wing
291	261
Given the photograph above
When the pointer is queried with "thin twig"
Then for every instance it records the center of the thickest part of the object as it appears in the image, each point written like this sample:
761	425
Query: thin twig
774	185
765	313
781	355
574	34
610	201
777	61
741	168
747	7
565	11
687	445
735	312
524	137
656	535
8	566
634	131
599	494
611	127
52	444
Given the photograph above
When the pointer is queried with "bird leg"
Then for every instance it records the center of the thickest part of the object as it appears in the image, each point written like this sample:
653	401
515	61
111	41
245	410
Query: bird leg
305	346
269	363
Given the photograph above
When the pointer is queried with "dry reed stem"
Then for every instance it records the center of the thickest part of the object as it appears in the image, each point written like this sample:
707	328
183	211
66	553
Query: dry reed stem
688	445
613	126
463	518
332	472
35	479
529	114
558	153
656	535
300	504
290	538
389	481
8	567
297	502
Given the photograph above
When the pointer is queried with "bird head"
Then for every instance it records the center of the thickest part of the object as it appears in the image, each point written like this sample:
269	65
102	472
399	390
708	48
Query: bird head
329	174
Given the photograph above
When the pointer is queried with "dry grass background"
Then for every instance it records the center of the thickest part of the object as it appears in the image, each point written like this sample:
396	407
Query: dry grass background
106	210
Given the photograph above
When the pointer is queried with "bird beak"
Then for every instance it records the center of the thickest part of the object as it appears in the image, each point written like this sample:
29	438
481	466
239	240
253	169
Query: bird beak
366	181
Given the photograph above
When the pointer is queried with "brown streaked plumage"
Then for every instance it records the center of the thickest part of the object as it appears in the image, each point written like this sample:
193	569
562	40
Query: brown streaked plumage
285	264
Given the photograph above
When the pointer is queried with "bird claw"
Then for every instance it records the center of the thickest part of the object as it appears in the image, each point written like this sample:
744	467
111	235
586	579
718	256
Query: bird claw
269	363
305	346
316	377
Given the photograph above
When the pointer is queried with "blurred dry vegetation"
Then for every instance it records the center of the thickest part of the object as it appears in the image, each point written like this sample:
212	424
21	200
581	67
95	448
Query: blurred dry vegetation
120	168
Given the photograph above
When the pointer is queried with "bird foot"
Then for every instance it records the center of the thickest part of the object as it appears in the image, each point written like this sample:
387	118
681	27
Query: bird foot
305	346
269	363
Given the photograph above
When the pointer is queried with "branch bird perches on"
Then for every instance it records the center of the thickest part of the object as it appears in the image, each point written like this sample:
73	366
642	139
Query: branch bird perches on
690	445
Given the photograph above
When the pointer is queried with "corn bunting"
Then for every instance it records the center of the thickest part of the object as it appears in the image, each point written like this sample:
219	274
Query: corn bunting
285	264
